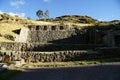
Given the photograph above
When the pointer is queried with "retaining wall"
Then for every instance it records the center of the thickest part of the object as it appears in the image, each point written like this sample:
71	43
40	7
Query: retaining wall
45	47
12	46
56	34
57	56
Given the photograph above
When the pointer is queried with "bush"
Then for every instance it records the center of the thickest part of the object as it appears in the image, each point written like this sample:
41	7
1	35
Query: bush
7	36
0	35
6	59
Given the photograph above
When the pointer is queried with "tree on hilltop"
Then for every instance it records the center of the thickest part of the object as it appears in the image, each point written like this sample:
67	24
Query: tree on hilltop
40	14
46	14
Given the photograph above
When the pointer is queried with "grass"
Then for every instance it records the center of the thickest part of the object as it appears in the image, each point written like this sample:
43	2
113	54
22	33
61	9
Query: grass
2	39
108	60
5	50
7	26
71	63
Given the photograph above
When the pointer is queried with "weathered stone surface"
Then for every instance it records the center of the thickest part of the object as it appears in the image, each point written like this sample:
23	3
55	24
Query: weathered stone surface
12	46
66	44
61	56
65	35
7	36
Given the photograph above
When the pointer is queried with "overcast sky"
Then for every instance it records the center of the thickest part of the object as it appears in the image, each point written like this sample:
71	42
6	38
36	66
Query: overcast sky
106	10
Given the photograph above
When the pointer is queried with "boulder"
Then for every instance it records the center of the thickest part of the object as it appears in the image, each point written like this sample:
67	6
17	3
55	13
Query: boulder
4	66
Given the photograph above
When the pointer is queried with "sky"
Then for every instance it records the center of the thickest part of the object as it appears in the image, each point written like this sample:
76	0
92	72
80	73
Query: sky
105	10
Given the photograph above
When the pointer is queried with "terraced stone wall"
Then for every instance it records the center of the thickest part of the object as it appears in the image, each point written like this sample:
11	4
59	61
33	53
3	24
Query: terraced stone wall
55	34
45	56
12	46
56	56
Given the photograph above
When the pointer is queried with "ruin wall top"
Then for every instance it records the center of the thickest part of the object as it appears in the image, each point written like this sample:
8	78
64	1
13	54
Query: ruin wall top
49	27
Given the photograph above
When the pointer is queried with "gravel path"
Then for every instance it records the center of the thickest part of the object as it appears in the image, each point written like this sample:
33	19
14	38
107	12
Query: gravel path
96	72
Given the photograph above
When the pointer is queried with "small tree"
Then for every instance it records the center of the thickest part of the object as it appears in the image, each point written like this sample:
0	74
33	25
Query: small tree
46	14
40	14
28	18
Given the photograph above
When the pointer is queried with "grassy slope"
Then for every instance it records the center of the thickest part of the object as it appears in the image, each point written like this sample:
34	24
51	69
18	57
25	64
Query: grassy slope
10	23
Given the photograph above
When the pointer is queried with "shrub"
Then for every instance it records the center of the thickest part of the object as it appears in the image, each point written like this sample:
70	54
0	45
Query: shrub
6	59
0	35
7	36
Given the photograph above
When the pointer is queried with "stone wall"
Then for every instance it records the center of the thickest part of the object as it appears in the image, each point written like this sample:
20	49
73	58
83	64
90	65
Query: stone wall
12	46
46	56
23	35
15	46
56	56
61	47
55	34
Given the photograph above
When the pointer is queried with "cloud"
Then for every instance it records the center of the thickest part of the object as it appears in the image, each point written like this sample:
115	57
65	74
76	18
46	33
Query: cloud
17	3
13	14
47	0
1	12
19	14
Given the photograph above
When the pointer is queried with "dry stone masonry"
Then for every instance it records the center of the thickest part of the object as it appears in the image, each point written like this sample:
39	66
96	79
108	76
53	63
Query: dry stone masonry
55	37
49	43
62	37
50	33
56	56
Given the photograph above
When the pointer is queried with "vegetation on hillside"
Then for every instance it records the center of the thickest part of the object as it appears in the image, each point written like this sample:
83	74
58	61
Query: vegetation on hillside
10	23
73	19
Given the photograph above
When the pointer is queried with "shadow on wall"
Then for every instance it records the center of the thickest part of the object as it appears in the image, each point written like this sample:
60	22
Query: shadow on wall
70	43
77	41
